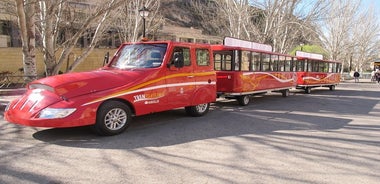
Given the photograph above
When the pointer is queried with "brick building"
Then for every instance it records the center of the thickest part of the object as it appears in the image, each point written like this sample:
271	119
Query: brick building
9	36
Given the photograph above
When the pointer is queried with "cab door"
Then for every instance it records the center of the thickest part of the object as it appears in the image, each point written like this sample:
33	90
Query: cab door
180	79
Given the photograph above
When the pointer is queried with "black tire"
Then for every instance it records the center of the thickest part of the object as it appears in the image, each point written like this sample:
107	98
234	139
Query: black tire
308	90
332	87
243	100
285	92
112	118
198	110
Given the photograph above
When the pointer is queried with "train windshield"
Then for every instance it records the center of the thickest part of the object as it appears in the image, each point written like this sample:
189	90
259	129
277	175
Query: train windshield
139	56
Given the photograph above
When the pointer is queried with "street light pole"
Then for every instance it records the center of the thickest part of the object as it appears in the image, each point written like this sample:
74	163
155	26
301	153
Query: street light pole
143	27
144	12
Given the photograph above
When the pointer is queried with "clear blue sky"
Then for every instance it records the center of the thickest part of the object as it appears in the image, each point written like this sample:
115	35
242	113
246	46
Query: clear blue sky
365	3
375	3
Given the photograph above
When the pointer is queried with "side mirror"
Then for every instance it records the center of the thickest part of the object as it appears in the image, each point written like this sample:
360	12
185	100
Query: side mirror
106	58
178	60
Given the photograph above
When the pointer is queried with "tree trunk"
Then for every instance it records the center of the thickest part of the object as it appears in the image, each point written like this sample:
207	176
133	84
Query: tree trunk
48	36
27	31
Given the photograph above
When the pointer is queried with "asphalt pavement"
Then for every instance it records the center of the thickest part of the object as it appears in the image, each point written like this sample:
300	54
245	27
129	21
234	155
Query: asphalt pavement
324	137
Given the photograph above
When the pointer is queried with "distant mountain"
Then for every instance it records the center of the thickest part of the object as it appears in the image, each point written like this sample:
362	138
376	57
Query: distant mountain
181	13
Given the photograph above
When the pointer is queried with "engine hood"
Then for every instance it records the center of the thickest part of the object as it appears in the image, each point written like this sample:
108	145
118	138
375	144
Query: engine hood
75	84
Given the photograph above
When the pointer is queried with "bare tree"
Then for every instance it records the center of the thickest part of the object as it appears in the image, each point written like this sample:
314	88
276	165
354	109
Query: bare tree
238	15
335	29
350	34
128	22
280	23
26	18
61	25
61	17
48	28
285	23
227	17
365	38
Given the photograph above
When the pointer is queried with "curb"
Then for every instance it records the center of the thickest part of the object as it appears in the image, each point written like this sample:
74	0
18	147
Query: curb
7	95
12	92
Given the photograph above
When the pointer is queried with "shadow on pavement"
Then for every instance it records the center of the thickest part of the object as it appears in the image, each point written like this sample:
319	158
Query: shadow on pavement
265	115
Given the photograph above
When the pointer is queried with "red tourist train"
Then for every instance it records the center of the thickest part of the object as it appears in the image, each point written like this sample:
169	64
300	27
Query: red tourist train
149	77
246	68
313	71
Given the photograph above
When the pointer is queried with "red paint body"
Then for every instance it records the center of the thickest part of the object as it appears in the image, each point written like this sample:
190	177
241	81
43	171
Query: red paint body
317	73
253	82
146	90
315	79
239	82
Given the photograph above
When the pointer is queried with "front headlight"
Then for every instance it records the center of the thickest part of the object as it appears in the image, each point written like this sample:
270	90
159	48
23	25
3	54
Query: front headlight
54	113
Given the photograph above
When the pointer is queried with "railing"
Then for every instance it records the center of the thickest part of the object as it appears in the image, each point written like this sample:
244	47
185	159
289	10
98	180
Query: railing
10	81
349	76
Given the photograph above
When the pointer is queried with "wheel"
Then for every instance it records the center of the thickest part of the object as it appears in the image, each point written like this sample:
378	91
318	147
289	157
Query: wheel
285	92
112	118
243	100
307	90
332	87
198	110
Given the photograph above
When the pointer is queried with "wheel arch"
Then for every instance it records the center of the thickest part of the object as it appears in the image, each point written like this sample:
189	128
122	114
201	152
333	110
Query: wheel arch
119	100
203	95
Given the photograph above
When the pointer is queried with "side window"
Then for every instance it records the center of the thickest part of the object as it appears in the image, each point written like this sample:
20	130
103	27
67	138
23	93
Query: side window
227	62
323	66
332	67
316	66
245	64
288	64
218	62
338	67
223	60
256	58
203	57
300	66
281	63
274	63
309	65
186	56
185	52
265	62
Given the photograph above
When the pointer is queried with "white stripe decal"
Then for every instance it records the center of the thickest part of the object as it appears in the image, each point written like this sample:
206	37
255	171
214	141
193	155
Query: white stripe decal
152	88
278	79
317	79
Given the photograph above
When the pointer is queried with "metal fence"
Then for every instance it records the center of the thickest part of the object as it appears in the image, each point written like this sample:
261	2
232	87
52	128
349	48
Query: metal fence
363	75
10	81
